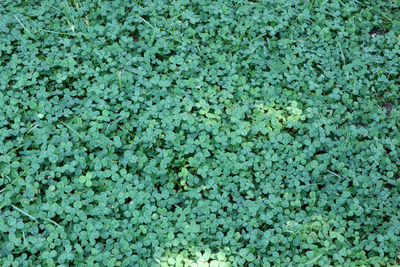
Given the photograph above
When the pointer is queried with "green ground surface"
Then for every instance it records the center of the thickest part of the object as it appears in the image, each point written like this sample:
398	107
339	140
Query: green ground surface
199	133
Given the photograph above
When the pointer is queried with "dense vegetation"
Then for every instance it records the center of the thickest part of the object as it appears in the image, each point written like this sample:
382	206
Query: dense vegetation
199	133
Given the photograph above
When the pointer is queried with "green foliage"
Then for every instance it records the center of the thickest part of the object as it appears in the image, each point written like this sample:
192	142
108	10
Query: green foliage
199	133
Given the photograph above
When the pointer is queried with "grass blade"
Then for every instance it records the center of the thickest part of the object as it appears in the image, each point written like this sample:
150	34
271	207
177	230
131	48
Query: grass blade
69	127
342	54
313	260
23	26
53	222
23	212
148	23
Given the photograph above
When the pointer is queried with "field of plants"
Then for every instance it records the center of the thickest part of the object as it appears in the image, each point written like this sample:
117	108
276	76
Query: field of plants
199	133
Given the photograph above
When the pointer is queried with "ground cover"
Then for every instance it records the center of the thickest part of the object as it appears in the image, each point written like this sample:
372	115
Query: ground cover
199	133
